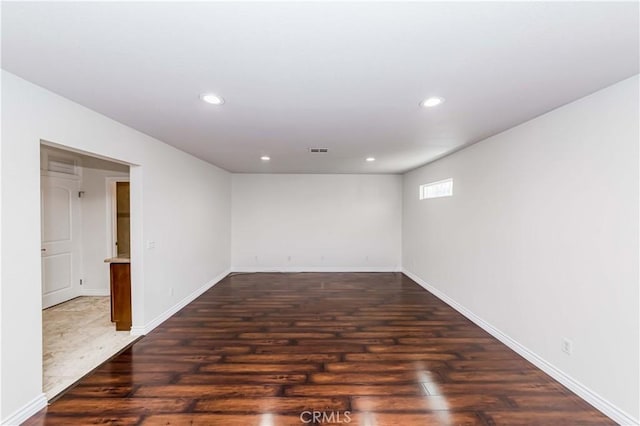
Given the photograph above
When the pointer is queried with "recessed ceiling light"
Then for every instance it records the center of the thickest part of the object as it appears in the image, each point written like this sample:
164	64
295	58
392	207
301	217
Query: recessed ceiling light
265	158
431	102
211	98
370	159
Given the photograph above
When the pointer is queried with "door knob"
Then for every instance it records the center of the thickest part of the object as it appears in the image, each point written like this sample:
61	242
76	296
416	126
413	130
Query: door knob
43	249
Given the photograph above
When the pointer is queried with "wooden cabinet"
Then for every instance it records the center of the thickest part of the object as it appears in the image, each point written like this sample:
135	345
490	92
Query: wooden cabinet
120	270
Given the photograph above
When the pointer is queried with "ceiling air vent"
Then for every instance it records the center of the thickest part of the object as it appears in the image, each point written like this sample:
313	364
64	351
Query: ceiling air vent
318	150
67	166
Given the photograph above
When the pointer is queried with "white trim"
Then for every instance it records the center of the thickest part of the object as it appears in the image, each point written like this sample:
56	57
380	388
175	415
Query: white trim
146	329
136	198
316	269
600	403
95	292
26	411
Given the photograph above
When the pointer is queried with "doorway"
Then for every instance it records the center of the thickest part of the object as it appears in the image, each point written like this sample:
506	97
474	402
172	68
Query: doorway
120	206
78	219
123	217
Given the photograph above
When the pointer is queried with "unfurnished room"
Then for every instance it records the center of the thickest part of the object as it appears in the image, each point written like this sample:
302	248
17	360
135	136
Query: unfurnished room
320	213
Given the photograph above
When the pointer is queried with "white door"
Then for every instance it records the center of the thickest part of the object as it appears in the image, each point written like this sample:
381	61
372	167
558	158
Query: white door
60	240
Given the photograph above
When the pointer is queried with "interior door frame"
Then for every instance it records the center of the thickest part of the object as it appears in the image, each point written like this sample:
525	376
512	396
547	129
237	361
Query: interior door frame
136	172
112	213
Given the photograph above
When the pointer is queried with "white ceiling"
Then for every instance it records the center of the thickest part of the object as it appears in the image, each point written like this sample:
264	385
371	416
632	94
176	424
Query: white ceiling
343	76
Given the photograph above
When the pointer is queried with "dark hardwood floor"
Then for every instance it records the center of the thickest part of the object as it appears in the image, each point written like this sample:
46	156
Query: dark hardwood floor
318	348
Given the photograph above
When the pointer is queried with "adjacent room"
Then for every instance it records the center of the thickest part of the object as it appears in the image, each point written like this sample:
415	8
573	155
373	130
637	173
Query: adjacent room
290	213
85	240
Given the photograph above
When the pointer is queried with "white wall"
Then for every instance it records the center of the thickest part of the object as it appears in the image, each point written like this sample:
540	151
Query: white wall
178	201
96	221
316	222
540	238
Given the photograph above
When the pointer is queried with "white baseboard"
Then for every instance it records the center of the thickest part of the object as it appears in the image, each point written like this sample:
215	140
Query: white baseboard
600	403
94	292
27	410
316	269
142	330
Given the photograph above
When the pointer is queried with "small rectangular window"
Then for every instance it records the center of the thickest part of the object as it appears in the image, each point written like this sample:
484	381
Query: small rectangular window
442	188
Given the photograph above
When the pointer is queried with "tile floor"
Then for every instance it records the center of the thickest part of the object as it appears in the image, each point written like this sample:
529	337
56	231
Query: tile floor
78	335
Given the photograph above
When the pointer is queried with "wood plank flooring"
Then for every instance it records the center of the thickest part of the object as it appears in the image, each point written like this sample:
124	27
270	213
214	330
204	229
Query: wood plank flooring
318	348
